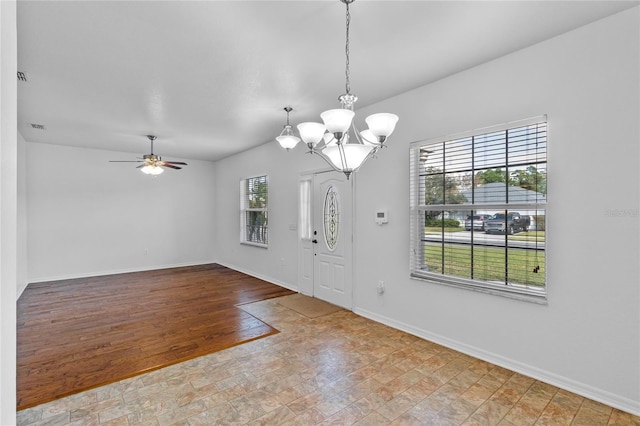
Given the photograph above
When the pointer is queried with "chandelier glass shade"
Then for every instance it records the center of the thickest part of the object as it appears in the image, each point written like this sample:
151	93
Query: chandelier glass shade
337	121
312	133
381	125
347	157
331	139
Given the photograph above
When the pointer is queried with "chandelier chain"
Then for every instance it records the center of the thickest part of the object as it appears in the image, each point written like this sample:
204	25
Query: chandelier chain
346	49
331	140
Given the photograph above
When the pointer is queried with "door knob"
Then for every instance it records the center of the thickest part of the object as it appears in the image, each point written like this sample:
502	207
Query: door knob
314	241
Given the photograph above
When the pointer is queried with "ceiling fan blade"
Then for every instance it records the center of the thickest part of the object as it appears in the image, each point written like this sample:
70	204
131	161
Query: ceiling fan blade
163	164
152	160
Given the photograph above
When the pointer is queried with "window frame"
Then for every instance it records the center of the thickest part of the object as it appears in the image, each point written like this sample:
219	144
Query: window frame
418	238
245	210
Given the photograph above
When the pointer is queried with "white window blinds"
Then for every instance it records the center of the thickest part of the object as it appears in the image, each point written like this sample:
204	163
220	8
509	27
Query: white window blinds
254	199
478	209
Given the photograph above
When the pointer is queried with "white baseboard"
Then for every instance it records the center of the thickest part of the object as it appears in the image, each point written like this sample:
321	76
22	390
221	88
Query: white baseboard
582	389
260	276
117	271
156	267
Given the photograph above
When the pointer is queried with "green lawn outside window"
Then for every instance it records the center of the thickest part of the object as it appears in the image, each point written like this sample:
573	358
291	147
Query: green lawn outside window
488	263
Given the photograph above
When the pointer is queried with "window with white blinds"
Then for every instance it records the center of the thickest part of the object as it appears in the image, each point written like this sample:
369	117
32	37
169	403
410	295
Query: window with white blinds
254	200
478	209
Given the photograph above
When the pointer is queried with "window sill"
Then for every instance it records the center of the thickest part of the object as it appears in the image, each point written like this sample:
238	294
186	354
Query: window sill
248	243
522	293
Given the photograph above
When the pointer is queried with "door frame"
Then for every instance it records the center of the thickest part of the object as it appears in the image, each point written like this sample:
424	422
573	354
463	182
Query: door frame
306	265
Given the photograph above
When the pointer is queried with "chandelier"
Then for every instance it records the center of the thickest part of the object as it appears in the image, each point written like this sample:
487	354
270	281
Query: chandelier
287	139
337	140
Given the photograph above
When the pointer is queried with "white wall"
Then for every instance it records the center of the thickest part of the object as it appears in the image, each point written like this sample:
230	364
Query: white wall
278	262
21	229
87	216
587	339
8	211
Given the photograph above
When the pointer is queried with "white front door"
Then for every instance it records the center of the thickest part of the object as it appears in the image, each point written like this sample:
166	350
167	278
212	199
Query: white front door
332	238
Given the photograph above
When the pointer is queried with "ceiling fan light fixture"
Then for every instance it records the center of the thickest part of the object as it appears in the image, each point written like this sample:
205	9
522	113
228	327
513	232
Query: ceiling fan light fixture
152	170
152	164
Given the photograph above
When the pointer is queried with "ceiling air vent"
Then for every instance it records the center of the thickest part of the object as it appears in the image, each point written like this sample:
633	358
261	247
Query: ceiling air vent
37	126
22	76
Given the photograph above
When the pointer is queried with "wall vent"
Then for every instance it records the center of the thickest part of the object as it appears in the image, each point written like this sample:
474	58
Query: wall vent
37	126
22	76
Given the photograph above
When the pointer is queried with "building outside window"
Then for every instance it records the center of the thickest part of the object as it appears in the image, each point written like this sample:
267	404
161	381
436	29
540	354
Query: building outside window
254	199
478	209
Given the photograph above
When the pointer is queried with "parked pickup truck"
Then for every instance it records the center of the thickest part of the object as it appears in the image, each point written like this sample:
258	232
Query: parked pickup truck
515	222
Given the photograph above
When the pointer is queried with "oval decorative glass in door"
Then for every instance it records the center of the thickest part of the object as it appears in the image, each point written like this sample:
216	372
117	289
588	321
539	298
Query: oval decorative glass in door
331	218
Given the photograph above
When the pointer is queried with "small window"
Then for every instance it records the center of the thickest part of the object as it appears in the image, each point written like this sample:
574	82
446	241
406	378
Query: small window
478	210
304	208
254	200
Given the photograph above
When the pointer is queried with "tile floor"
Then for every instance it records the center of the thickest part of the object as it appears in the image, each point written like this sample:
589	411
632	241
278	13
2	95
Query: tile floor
338	369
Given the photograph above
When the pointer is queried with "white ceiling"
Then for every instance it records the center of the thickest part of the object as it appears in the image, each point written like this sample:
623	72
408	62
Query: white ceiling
211	78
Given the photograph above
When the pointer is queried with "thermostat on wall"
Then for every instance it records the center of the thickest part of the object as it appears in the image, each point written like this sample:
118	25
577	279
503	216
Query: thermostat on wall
382	217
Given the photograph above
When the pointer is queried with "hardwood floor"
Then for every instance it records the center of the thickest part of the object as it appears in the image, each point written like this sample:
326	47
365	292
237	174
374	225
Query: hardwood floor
78	334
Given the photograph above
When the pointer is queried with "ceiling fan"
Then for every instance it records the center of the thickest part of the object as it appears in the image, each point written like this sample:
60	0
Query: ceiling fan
151	163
